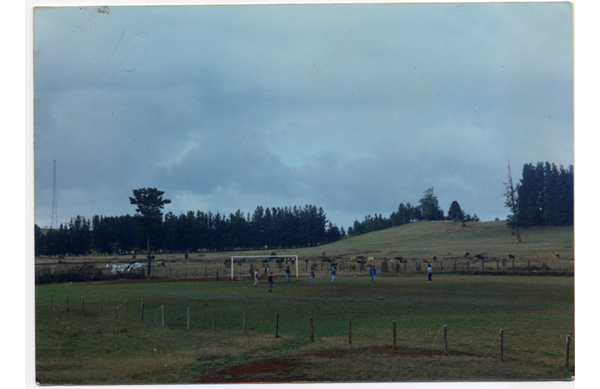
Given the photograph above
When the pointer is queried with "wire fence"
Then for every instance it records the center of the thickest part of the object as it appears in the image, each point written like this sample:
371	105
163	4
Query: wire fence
438	348
244	271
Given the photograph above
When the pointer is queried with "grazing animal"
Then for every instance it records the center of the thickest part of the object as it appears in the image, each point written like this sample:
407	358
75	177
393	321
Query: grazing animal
160	263
556	255
466	254
227	261
434	258
479	256
424	260
353	259
292	261
370	259
510	256
401	259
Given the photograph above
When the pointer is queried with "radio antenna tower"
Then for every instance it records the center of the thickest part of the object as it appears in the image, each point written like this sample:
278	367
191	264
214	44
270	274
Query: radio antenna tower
54	222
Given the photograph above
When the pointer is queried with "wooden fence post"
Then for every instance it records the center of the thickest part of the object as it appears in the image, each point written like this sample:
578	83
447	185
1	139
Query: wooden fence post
394	333
142	311
501	345
349	332
67	303
312	334
277	325
244	324
82	310
445	339
214	321
568	344
162	308
188	321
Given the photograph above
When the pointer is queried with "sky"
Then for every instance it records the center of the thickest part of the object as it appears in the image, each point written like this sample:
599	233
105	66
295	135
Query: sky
354	108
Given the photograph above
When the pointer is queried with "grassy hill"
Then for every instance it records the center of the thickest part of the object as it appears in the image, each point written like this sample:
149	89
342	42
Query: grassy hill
446	239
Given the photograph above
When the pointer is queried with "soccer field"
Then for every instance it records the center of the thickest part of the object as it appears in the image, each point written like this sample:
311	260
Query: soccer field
256	336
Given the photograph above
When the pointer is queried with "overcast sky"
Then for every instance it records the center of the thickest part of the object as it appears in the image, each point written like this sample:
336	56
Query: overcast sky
353	108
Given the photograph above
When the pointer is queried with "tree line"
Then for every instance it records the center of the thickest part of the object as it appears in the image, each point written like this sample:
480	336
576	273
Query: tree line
265	228
544	196
428	209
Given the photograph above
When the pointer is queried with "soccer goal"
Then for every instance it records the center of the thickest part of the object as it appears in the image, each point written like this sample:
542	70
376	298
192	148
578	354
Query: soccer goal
238	257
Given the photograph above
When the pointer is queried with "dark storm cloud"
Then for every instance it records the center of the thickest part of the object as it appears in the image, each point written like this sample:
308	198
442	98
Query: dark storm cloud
354	108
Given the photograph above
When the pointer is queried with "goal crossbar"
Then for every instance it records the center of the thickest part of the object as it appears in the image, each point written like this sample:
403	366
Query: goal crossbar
264	256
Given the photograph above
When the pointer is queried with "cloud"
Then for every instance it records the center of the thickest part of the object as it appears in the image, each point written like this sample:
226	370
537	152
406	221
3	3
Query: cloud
354	108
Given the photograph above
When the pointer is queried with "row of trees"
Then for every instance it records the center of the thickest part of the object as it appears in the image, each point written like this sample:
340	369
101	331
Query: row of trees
544	196
428	209
266	228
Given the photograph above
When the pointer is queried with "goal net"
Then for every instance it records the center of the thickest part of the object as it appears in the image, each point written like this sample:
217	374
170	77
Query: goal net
239	257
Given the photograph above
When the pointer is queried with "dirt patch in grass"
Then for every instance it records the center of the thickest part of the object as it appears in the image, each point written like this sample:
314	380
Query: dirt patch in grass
265	370
291	368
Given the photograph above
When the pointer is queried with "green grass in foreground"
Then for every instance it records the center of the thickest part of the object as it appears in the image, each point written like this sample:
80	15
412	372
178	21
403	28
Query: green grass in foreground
536	314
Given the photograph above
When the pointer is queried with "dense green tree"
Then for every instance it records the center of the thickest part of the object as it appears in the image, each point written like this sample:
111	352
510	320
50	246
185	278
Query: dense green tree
149	202
429	206
455	213
543	196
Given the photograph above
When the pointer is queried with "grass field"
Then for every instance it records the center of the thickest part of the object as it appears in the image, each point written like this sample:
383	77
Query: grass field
536	314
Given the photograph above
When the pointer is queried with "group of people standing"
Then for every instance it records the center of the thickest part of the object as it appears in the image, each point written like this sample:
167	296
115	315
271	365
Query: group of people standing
372	273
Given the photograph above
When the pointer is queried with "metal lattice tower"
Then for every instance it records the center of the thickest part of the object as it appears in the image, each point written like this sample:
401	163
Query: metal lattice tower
54	222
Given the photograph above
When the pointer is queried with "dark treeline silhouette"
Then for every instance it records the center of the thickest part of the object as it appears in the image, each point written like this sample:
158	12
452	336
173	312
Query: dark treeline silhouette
544	196
266	228
428	209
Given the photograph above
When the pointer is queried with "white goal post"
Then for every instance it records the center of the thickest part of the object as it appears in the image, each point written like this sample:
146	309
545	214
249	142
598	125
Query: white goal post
264	256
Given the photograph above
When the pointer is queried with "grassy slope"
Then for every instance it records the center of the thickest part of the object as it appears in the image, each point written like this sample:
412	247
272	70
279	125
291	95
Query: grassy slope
449	239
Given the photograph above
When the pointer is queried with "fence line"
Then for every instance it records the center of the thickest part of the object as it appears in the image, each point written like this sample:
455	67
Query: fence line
444	328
